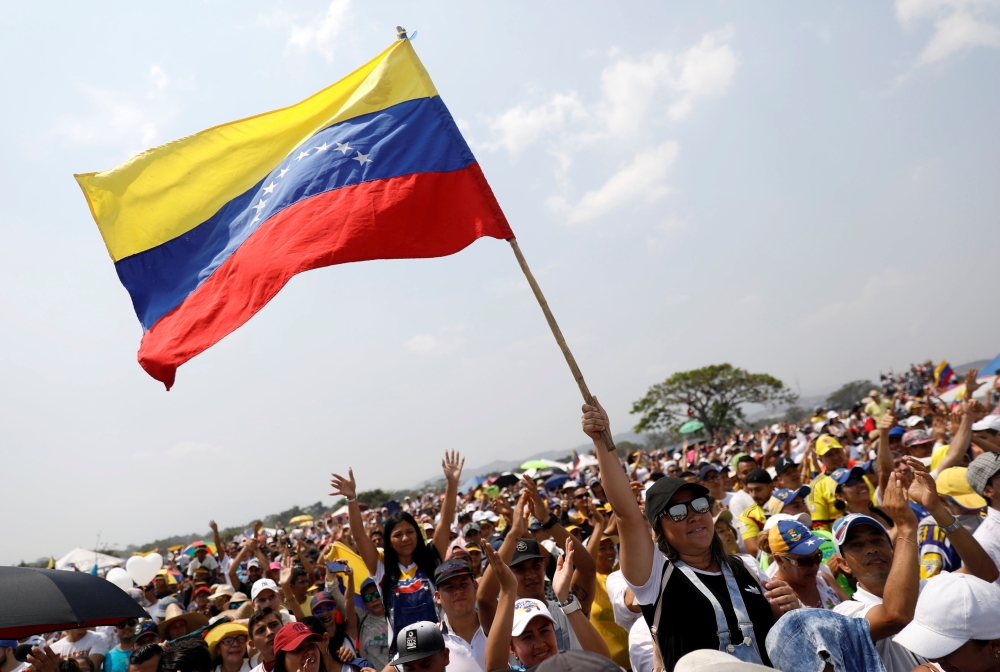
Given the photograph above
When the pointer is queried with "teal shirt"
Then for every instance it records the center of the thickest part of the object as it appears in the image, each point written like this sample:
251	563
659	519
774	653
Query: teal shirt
116	660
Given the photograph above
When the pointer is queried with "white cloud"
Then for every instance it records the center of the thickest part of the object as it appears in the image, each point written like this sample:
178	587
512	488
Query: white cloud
642	181
958	25
521	125
118	118
319	33
706	69
444	341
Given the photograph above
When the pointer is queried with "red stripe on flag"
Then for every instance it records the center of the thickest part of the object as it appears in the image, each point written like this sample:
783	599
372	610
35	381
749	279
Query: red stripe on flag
409	217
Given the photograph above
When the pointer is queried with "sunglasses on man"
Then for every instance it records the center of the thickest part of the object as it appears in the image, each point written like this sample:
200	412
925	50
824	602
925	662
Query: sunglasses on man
324	608
368	597
679	512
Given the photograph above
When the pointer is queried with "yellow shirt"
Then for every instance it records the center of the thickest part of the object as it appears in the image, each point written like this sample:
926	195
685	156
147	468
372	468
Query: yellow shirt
938	455
602	617
752	521
824	494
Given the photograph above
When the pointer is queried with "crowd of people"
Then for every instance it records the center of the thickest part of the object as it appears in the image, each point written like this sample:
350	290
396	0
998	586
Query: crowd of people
862	538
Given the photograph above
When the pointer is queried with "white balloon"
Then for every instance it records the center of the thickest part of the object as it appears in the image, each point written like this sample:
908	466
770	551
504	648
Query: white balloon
156	559
120	578
143	569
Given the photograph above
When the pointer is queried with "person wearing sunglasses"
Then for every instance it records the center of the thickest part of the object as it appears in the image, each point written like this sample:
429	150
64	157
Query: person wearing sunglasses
117	658
325	605
796	551
227	644
692	594
373	629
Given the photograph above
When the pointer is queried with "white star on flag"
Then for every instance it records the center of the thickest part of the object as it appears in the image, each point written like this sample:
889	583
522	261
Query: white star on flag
269	188
363	158
259	205
283	171
323	147
301	156
343	147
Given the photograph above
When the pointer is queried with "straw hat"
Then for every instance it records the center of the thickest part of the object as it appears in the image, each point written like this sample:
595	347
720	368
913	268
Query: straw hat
194	620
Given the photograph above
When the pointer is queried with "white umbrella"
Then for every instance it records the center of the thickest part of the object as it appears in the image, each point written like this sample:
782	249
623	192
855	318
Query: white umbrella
84	560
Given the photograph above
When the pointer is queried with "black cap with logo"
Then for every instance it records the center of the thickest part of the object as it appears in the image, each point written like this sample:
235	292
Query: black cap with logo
526	549
417	641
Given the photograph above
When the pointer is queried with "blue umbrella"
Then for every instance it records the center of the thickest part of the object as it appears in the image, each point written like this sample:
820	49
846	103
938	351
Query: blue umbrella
471	484
553	482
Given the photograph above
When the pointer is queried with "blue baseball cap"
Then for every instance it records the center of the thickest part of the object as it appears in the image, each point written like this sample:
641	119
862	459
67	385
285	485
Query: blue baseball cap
896	431
367	582
784	496
842	526
842	476
791	536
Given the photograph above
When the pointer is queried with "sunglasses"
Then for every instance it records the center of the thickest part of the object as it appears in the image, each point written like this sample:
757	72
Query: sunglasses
238	639
679	512
368	597
324	608
236	605
583	496
813	560
131	623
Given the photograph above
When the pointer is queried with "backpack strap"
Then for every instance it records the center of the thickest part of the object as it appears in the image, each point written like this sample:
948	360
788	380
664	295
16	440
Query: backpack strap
654	629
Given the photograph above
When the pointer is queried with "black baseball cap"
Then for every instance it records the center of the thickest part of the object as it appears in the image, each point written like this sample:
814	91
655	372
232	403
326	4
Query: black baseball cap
417	641
759	476
705	470
526	549
449	569
782	464
659	495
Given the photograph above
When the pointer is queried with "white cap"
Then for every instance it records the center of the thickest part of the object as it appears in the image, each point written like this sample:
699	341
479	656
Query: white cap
951	610
525	611
552	547
261	585
913	421
830	415
706	660
991	421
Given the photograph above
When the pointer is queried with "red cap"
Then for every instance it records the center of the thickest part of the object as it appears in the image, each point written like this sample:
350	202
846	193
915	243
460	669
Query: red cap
291	636
202	589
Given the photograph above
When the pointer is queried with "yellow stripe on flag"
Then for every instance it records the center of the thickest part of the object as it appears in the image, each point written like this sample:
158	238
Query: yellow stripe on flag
167	191
342	552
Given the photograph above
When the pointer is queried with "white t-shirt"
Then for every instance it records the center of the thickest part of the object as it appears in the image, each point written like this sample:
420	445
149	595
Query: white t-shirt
640	647
617	586
740	502
565	637
243	668
90	644
988	535
895	657
210	564
461	657
649	592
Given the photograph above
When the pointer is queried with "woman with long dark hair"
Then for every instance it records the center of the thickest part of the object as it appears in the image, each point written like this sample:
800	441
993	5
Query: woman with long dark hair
403	569
693	595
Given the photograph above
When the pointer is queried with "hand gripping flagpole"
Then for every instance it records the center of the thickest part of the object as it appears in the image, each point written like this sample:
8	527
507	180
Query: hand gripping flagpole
550	318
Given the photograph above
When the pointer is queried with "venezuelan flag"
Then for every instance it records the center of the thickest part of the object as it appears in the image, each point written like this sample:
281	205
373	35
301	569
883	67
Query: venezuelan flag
205	230
942	374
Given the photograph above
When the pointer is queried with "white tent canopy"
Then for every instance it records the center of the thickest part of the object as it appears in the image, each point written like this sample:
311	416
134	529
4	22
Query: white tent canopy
84	560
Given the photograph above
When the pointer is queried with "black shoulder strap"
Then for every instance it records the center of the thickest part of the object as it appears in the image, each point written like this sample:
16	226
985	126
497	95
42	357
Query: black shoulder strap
654	629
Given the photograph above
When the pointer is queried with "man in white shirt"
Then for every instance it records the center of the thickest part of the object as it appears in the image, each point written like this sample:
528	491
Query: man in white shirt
82	643
455	592
981	474
202	558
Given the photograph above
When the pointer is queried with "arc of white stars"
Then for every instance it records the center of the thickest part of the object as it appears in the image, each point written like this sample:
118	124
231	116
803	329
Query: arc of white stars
301	156
269	188
259	205
343	147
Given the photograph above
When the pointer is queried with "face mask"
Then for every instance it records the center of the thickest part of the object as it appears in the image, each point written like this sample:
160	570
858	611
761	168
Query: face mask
805	519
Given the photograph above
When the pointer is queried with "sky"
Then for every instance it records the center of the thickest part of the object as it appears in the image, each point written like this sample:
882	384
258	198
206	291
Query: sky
809	193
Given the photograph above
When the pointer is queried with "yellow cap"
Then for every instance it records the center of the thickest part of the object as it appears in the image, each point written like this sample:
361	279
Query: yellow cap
826	443
952	483
220	632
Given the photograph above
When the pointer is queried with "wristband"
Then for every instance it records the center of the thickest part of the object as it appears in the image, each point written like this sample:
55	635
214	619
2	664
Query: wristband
352	501
550	523
570	605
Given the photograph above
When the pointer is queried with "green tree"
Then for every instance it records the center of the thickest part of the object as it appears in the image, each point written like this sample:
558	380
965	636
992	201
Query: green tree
851	393
714	394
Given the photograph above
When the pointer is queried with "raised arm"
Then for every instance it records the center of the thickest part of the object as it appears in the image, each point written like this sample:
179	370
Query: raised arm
903	584
636	550
884	454
452	466
975	559
348	487
286	587
300	553
218	540
590	639
498	641
960	442
585	574
489	585
350	610
245	550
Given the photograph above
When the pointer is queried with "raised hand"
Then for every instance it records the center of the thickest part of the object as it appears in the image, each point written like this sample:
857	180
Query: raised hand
43	660
971	385
534	500
597	520
923	490
344	487
508	582
519	521
896	504
213	526
887	422
594	420
562	581
452	465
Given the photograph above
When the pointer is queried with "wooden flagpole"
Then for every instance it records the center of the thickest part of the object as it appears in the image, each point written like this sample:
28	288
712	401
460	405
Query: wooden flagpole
550	318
